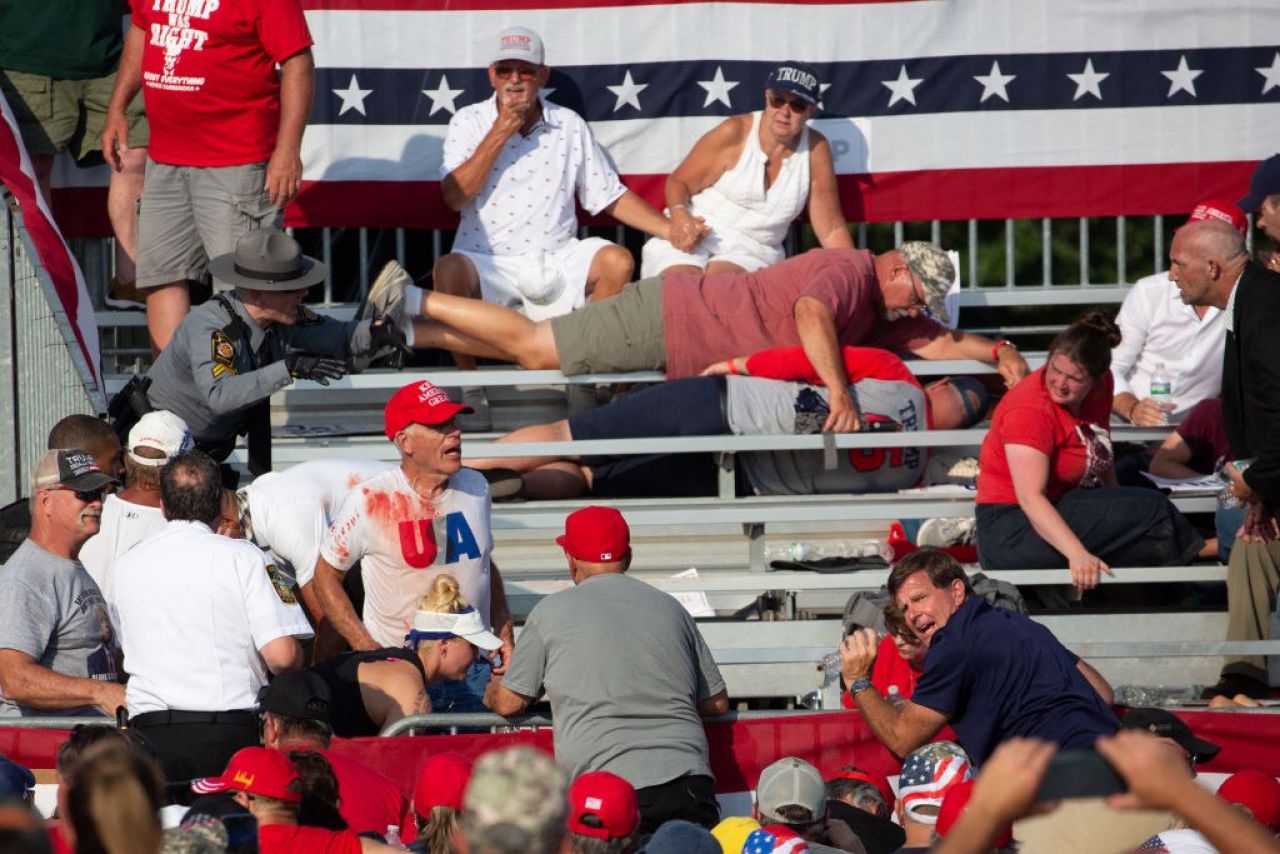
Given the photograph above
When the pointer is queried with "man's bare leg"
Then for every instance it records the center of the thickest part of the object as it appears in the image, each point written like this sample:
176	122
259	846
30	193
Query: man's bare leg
123	192
506	332
683	270
717	267
456	275
167	305
557	480
554	431
611	269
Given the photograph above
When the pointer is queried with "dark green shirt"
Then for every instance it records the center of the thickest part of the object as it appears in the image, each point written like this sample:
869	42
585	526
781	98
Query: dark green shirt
65	39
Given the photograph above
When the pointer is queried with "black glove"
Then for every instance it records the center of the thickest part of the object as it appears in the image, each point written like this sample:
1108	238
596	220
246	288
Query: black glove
385	335
308	366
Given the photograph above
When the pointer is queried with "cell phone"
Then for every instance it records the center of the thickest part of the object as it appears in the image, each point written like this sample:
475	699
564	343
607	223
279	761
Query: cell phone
1079	774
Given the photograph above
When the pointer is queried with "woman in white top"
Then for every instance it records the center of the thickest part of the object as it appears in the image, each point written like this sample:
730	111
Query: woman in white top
747	179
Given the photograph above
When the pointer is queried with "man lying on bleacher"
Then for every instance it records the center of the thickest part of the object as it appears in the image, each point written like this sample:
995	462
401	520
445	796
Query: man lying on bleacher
771	392
682	323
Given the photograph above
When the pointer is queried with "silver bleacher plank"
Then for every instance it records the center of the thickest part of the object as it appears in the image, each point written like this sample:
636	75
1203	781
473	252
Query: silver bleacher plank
758	583
451	377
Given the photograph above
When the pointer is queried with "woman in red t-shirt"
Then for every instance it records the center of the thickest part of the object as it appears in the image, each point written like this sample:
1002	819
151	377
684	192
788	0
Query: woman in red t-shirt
1047	494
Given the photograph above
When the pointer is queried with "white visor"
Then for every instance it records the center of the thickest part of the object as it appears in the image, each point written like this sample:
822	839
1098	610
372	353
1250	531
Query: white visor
466	625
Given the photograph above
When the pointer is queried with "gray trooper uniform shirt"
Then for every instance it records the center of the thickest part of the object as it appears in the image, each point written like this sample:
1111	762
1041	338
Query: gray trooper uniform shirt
209	378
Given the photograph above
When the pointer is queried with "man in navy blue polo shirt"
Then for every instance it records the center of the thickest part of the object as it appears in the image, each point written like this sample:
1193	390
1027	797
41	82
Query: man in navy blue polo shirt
990	673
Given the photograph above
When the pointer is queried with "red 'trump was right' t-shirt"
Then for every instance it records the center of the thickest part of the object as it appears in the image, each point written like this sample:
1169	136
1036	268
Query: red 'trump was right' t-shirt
209	77
711	318
1027	416
293	839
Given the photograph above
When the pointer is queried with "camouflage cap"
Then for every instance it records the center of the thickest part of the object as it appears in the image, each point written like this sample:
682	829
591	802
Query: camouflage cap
519	787
936	272
205	836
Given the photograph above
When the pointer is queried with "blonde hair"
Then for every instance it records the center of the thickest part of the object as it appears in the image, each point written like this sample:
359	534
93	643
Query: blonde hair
444	597
437	836
114	801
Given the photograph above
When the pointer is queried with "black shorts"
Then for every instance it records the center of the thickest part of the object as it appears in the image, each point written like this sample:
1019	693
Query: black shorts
693	406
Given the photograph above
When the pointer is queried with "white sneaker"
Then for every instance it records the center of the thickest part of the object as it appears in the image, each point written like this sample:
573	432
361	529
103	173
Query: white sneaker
386	295
940	533
481	420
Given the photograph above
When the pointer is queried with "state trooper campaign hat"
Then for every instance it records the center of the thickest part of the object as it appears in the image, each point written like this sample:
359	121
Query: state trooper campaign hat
268	261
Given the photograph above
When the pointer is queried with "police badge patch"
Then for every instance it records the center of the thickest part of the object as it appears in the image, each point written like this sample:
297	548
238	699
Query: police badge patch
281	585
223	354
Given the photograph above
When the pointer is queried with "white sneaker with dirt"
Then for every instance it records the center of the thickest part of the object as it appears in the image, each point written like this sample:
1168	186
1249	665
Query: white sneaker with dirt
386	295
940	533
481	420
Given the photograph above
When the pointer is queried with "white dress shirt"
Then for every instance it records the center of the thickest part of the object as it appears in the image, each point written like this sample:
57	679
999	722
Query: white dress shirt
1158	328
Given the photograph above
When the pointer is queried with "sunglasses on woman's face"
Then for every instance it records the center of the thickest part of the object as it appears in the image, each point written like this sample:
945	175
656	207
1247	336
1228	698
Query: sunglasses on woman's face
777	100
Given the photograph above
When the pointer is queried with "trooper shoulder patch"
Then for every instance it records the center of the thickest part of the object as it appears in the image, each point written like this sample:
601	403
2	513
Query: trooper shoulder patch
307	317
223	354
282	588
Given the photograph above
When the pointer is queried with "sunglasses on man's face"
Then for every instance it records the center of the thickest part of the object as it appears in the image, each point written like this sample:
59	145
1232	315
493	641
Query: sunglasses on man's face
507	69
777	100
87	496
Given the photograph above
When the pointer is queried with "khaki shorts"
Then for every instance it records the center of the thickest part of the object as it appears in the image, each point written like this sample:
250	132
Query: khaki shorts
620	334
57	115
189	214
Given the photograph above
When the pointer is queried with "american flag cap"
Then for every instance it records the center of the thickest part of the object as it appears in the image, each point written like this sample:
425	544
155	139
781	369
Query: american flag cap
927	773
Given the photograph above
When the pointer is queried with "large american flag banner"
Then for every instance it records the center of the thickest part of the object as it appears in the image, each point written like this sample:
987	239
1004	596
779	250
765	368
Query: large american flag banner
945	109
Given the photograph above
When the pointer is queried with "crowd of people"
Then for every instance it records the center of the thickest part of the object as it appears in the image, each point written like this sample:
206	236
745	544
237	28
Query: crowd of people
233	632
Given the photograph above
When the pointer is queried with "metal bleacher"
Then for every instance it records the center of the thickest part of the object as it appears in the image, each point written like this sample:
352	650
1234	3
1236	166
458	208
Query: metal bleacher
770	628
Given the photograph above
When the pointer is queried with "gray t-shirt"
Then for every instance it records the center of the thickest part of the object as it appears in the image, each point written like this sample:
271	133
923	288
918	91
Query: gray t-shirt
51	610
756	405
624	666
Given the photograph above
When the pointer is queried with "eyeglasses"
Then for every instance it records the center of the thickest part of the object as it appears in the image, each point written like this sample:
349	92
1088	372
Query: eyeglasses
917	290
777	100
507	69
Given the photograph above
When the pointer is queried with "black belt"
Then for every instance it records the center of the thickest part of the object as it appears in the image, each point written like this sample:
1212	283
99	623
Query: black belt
172	716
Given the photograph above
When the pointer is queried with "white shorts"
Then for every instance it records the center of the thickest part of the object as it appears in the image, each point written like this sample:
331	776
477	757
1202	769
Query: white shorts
658	254
544	284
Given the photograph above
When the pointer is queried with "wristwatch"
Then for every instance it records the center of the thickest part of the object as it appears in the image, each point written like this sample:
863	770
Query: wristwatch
859	685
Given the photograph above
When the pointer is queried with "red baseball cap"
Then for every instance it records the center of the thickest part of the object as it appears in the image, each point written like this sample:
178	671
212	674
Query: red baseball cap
441	783
1256	791
1220	210
875	778
419	403
953	805
607	798
258	771
596	534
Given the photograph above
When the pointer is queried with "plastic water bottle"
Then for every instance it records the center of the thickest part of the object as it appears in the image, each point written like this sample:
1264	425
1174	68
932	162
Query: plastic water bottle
393	836
1225	499
1162	389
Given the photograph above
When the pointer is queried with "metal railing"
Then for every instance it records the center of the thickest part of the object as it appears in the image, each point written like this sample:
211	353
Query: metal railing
424	246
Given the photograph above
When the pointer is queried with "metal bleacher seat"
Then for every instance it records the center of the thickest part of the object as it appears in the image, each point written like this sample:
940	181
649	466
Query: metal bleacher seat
769	651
